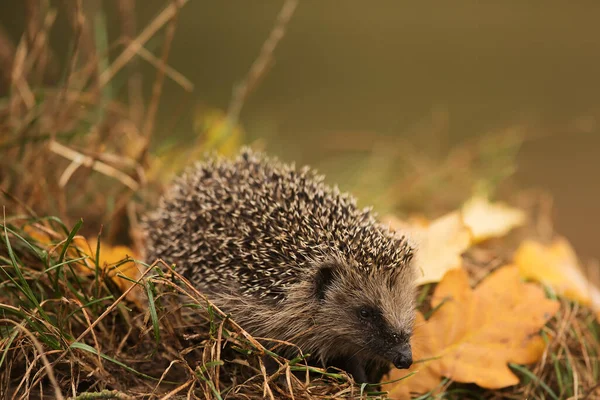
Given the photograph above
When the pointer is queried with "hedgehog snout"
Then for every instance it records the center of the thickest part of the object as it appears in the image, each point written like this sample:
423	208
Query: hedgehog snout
402	356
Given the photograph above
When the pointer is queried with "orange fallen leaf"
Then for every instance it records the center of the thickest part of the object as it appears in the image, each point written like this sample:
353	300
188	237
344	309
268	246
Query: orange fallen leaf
36	233
111	257
475	333
487	220
110	260
111	263
557	266
439	244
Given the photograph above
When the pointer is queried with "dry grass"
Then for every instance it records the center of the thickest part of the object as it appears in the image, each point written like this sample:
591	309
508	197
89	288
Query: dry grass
75	143
67	331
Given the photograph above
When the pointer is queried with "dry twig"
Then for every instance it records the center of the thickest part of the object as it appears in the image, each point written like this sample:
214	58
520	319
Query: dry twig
79	159
130	51
260	65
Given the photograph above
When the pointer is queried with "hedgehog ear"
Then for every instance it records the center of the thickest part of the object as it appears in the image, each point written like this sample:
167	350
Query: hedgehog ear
325	275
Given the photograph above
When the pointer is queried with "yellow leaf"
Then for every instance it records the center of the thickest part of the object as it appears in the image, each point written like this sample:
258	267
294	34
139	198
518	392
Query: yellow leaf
474	334
37	234
110	262
488	220
112	256
439	245
556	265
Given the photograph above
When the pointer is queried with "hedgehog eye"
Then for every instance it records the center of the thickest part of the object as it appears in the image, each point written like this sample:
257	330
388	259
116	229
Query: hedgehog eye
365	313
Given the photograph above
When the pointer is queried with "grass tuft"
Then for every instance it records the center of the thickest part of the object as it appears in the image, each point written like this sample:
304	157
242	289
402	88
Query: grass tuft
108	344
66	328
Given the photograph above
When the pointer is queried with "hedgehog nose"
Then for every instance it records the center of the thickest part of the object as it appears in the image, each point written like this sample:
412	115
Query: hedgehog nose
403	358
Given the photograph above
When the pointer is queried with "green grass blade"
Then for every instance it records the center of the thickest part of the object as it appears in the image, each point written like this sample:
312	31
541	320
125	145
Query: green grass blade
200	374
52	268
12	310
534	378
87	305
11	339
97	265
61	259
56	221
69	240
90	349
152	308
40	254
24	285
423	294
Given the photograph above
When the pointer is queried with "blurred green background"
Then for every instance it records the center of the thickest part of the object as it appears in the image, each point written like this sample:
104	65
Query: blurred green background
359	87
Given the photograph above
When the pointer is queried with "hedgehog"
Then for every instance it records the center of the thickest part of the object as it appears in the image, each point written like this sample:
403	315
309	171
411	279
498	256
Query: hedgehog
290	258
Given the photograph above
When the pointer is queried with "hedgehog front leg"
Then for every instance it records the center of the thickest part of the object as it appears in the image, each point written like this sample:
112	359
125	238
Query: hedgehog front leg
357	370
354	367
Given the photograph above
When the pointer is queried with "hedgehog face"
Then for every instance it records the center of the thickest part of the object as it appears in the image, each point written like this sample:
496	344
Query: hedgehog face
371	313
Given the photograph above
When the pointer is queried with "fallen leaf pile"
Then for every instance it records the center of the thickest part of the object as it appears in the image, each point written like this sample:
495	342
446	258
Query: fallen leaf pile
473	334
441	242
